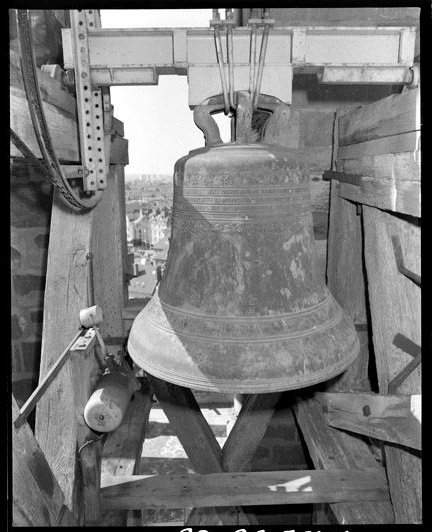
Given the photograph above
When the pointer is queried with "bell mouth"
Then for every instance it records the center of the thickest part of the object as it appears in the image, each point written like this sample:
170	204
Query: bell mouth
317	345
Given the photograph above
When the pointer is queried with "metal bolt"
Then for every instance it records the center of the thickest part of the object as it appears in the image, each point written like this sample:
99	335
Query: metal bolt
81	36
366	411
83	74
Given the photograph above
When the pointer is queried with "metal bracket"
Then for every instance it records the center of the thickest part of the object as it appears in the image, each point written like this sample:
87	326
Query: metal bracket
90	104
342	177
397	248
407	345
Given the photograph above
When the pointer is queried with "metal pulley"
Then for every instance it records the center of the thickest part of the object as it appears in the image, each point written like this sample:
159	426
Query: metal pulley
241	307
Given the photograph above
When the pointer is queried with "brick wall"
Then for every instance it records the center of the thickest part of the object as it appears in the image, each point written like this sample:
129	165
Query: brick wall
281	449
31	197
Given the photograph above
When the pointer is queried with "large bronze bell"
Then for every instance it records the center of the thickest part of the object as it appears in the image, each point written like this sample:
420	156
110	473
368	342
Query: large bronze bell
241	307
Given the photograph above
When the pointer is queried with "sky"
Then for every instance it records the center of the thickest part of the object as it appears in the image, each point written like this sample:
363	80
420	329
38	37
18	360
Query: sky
157	120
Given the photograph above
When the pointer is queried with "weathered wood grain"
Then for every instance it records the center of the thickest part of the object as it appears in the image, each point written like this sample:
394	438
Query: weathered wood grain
109	248
248	431
400	197
391	418
195	434
404	166
398	113
123	447
37	497
345	279
247	489
330	449
65	295
62	127
395	309
405	142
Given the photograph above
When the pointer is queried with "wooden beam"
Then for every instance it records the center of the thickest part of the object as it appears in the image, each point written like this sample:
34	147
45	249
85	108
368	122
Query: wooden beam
330	449
195	434
88	340
62	126
52	91
399	197
248	431
36	495
65	295
395	302
109	247
404	166
345	279
405	142
396	114
391	418
246	489
123	447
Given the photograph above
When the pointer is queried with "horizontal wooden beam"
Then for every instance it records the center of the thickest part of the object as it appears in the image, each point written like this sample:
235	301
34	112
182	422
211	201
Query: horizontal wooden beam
391	418
247	489
396	114
392	144
401	197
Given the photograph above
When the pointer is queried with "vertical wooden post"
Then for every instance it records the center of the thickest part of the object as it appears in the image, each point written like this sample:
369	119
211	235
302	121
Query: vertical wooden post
395	309
65	295
345	280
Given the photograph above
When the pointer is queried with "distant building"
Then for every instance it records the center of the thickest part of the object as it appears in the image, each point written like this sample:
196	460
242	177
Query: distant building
148	227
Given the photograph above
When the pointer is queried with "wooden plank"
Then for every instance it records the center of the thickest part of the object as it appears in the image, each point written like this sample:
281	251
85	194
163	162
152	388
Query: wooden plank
395	309
84	373
394	144
247	489
330	449
194	433
37	497
123	447
403	166
345	279
119	150
31	402
71	237
248	431
109	247
402	197
52	90
118	126
62	126
391	418
65	295
398	113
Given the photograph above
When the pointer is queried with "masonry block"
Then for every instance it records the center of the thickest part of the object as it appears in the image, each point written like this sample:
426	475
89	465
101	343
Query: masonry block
31	356
290	453
31	204
316	128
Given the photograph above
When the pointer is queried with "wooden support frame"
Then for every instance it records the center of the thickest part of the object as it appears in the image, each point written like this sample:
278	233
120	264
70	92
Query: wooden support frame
36	495
128	438
225	489
391	418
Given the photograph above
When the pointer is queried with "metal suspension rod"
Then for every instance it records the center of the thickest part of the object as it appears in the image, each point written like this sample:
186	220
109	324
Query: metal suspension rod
230	47
218	43
252	59
261	65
